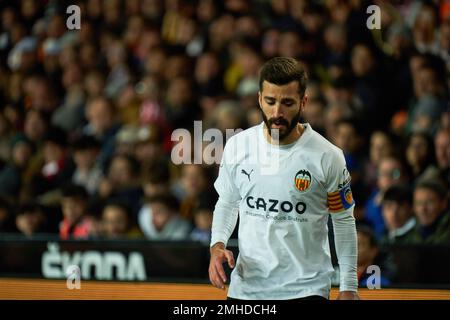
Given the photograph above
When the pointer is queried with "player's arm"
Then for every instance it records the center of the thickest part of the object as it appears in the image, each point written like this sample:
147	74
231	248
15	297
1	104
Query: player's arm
224	222
347	253
341	206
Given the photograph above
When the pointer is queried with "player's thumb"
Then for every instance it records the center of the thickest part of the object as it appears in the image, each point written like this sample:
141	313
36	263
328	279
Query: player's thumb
230	258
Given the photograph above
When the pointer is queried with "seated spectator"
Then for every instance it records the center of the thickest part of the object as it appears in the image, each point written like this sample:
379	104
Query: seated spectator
87	171
398	214
381	145
102	126
149	147
432	214
76	224
126	139
69	115
350	139
6	217
122	182
369	254
419	154
160	219
56	168
391	171
30	219
203	216
11	174
442	152
180	104
35	125
195	179
157	179
116	221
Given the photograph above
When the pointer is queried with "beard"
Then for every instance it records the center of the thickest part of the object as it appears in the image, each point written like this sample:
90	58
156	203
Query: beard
282	133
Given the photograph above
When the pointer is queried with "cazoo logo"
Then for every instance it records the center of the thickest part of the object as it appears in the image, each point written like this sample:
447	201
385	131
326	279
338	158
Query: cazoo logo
108	265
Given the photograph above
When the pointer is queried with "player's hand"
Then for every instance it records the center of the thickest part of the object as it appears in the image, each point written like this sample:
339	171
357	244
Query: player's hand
219	255
348	295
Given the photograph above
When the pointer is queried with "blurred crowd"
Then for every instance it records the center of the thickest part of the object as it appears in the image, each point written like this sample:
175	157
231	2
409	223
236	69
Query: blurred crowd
86	116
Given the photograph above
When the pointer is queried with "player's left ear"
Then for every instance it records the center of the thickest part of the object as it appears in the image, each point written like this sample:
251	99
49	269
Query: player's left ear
303	103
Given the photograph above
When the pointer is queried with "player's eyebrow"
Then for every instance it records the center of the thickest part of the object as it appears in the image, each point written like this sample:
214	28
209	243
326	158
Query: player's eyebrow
287	100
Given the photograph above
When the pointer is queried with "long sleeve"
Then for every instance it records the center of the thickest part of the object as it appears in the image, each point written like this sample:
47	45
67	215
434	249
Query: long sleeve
346	249
224	221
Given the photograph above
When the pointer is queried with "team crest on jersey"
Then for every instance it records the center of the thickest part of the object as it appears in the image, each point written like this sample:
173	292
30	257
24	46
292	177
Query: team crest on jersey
302	180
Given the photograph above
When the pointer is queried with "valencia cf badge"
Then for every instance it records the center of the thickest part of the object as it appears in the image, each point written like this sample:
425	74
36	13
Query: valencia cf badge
302	180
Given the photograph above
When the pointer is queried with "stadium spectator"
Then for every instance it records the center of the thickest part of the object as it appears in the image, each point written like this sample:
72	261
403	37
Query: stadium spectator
7	224
431	211
442	148
35	126
56	167
420	154
149	145
122	182
87	171
440	171
314	114
11	175
203	214
398	214
30	219
76	224
126	139
117	221
160	219
348	137
94	84
381	145
180	104
102	126
156	179
369	254
5	137
391	171
195	179
69	115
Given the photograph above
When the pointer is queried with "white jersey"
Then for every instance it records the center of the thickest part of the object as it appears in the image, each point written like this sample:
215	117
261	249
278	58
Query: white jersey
283	235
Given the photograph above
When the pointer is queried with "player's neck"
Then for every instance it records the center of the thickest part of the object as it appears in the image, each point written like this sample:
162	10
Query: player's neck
293	136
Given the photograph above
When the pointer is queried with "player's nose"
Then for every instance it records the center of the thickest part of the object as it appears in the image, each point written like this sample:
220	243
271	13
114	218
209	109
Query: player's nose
277	110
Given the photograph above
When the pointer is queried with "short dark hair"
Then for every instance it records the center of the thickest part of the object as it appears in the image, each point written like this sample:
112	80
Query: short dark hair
28	207
133	164
167	200
57	136
85	143
434	186
281	71
71	190
398	193
158	173
121	204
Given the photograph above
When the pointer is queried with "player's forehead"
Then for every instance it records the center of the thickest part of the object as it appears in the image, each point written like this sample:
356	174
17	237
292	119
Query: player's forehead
289	90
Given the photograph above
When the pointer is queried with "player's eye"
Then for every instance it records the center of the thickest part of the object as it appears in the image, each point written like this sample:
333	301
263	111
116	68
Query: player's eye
288	103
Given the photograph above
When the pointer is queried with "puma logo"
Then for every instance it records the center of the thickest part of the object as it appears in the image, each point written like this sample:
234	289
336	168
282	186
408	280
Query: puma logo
247	174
